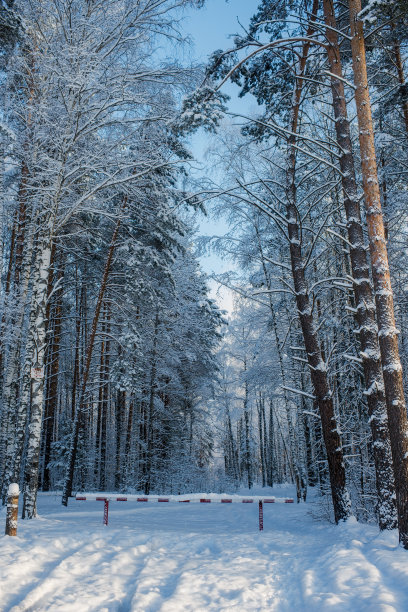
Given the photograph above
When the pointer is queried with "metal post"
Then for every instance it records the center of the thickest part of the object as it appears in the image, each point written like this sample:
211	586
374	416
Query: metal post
260	515
106	512
12	509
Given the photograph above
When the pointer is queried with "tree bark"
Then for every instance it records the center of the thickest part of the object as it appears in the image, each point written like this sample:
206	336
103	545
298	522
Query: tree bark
119	416
271	454
392	369
231	450
401	79
248	457
14	415
97	458
365	307
129	430
105	403
261	416
318	371
51	400
36	352
150	415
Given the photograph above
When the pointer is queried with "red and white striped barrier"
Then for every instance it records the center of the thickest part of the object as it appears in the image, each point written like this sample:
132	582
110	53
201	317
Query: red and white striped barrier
184	499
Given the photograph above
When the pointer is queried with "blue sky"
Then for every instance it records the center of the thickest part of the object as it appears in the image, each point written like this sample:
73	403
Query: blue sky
210	29
210	26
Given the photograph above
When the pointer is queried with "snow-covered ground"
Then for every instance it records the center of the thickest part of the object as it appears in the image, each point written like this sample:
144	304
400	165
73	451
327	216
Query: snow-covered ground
196	557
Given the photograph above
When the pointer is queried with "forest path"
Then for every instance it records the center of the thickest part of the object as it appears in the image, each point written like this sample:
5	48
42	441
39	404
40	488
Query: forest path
192	557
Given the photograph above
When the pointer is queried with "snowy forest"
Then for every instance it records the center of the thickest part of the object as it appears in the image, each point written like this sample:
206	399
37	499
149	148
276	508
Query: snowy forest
119	369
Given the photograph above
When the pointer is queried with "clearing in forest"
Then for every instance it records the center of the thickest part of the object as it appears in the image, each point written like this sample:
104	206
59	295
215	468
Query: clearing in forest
196	557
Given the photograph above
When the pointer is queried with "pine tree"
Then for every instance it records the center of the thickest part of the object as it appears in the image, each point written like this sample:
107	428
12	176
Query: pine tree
392	370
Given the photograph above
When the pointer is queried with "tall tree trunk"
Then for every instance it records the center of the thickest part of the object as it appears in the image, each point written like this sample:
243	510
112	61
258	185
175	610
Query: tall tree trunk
22	220
14	414
231	450
119	416
401	79
35	358
5	294
129	430
261	410
248	456
51	400
23	247
365	311
318	370
18	237
271	453
36	347
80	311
97	457
241	461
143	438
392	369
150	415
105	403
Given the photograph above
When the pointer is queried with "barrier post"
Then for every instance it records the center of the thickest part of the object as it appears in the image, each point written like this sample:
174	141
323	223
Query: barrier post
12	509
106	512
260	515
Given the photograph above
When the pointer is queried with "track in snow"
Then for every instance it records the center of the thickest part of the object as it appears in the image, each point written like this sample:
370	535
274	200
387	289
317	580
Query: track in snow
196	557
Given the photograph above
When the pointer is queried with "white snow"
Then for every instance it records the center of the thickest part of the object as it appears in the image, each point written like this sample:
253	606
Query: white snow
198	557
13	490
352	358
374	387
371	353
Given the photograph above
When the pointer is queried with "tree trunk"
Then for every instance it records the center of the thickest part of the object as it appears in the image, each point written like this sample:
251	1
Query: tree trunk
97	458
150	415
392	369
261	412
79	311
248	458
233	469
36	352
14	414
318	371
105	403
119	415
129	430
6	292
401	79
271	454
51	400
365	311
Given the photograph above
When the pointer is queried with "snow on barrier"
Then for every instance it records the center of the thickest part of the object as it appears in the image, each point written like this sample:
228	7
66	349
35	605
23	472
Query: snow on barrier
184	499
